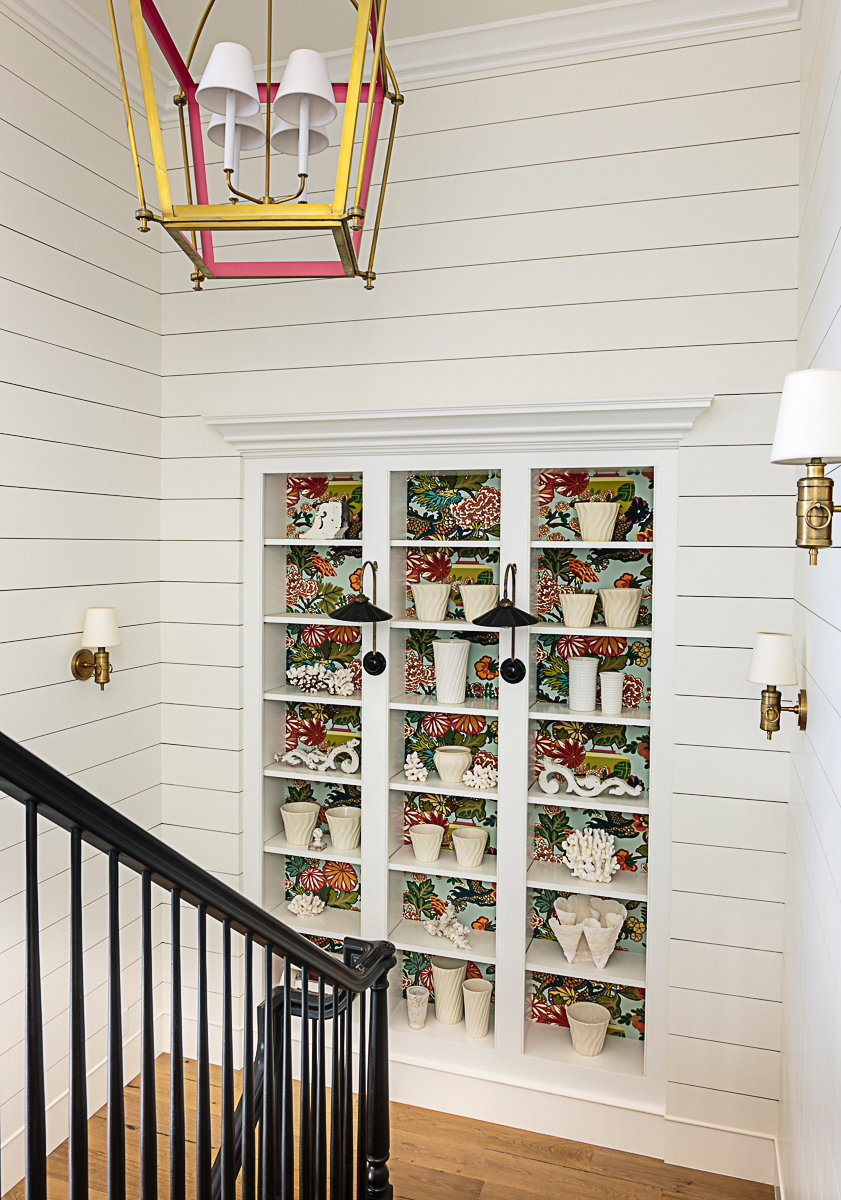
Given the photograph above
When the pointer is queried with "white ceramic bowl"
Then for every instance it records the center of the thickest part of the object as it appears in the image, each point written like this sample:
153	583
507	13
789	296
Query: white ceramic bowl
588	1026
426	841
299	820
478	598
431	600
469	844
344	821
451	762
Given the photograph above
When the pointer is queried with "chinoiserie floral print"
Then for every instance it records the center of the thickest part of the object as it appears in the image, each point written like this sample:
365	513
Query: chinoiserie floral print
336	883
320	579
320	726
452	565
417	972
334	645
559	492
449	811
305	492
552	825
550	994
453	508
482	663
563	571
426	896
325	795
423	733
608	751
630	655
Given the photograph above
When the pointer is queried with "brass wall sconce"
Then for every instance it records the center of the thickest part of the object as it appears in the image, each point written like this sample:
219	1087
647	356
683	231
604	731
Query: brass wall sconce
362	611
773	658
506	616
809	432
100	632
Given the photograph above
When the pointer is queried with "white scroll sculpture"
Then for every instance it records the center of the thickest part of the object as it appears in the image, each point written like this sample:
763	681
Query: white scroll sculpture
316	760
600	921
313	759
336	753
329	523
582	785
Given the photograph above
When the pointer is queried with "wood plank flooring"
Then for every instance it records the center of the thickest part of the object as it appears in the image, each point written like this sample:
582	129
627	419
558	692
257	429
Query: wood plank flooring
434	1156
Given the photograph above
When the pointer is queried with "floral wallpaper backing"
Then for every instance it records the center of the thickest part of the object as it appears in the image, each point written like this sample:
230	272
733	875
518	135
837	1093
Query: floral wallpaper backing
425	732
338	645
618	751
305	492
634	931
630	833
321	726
420	809
336	883
320	579
482	662
559	491
426	896
548	996
450	564
632	656
453	508
564	571
325	795
417	972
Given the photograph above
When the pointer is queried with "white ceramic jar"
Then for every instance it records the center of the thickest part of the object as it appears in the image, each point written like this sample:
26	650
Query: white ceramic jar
612	683
476	994
345	822
469	844
451	656
582	683
447	978
478	598
577	608
299	820
417	1000
620	606
596	521
431	600
588	1027
426	841
451	762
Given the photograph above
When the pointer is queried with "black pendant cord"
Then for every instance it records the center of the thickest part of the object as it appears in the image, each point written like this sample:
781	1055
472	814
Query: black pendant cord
247	1152
229	1166
77	1150
177	1127
148	1103
203	1136
116	1134
35	1135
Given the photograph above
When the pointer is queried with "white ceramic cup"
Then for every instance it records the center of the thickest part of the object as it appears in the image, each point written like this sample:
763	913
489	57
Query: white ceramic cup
451	762
588	1026
469	844
417	999
582	683
447	978
478	598
431	600
577	608
596	521
612	683
620	606
426	841
344	821
450	669
299	820
476	994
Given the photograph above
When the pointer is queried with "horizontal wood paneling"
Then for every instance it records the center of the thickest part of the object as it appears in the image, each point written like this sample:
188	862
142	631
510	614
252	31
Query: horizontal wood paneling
731	1019
727	921
733	1068
730	970
726	871
716	821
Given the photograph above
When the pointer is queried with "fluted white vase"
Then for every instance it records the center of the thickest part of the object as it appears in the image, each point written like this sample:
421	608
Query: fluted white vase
450	669
582	683
447	978
478	598
426	841
417	999
299	820
577	608
451	762
431	600
596	521
469	844
588	1026
344	821
477	1006
620	606
612	683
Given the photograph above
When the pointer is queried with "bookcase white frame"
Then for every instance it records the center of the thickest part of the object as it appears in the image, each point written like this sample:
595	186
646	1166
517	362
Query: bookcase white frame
514	439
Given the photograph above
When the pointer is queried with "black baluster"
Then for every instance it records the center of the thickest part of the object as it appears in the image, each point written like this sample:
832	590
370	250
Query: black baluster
177	1129
229	1151
361	1104
268	1145
35	1134
304	1143
203	1136
347	1103
148	1105
116	1131
248	1076
320	1113
78	1131
378	1186
337	1054
286	1180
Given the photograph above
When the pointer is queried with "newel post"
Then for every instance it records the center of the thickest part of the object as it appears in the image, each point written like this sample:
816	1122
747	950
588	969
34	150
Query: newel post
379	1142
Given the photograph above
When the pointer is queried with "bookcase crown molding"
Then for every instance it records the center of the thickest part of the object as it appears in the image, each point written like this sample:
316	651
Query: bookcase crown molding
656	423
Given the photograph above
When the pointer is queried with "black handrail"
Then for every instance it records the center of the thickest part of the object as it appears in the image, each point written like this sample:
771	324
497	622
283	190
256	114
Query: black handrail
28	778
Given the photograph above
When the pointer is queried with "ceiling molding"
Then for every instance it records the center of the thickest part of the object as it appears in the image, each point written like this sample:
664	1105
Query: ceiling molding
649	424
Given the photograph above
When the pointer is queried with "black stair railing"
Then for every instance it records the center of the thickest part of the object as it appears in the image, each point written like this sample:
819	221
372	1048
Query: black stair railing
260	1143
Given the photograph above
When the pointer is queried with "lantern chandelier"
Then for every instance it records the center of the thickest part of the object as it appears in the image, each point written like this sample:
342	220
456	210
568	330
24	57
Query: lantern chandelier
288	118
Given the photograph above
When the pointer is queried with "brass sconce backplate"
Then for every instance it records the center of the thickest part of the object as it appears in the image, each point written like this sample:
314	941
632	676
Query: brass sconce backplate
85	663
82	664
771	706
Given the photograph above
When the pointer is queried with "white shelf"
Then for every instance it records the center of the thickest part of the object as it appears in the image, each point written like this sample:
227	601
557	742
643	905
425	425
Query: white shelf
562	712
433	544
412	623
411	935
279	845
563	799
304	619
625	1056
331	922
456	1035
446	865
574	544
623	967
638	631
293	693
311	542
416	702
625	885
283	771
434	786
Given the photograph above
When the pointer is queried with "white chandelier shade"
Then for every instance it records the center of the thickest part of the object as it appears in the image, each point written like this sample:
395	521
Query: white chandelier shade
809	420
230	68
285	138
306	75
252	131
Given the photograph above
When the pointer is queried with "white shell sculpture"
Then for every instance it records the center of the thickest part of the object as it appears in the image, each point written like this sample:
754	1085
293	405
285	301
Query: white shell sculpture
449	926
413	768
313	759
600	922
305	905
336	753
330	522
582	785
319	677
480	777
589	854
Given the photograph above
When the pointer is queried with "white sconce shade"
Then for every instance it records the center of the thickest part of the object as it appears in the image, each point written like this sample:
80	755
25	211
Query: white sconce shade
773	661
284	138
229	69
809	420
101	628
252	131
306	74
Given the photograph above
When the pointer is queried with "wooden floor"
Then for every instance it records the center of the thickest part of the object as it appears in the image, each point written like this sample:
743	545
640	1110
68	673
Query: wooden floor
433	1157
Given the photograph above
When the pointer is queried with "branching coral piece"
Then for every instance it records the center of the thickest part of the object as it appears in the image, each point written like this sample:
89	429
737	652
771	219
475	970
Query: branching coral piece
306	905
319	677
414	770
480	777
589	854
449	926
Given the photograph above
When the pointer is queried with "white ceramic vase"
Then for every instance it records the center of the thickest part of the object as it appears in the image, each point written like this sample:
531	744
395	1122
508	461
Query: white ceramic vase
450	669
612	683
426	841
451	762
620	606
447	978
588	1026
417	999
431	600
469	844
477	1006
478	598
344	821
577	608
299	820
596	521
582	683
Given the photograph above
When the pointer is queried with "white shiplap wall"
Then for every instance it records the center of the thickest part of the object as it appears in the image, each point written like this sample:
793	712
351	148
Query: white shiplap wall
623	226
79	497
809	1149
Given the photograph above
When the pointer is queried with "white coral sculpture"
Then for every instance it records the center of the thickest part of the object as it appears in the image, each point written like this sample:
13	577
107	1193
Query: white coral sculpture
305	905
336	753
582	785
319	677
314	759
483	778
414	770
449	926
589	854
